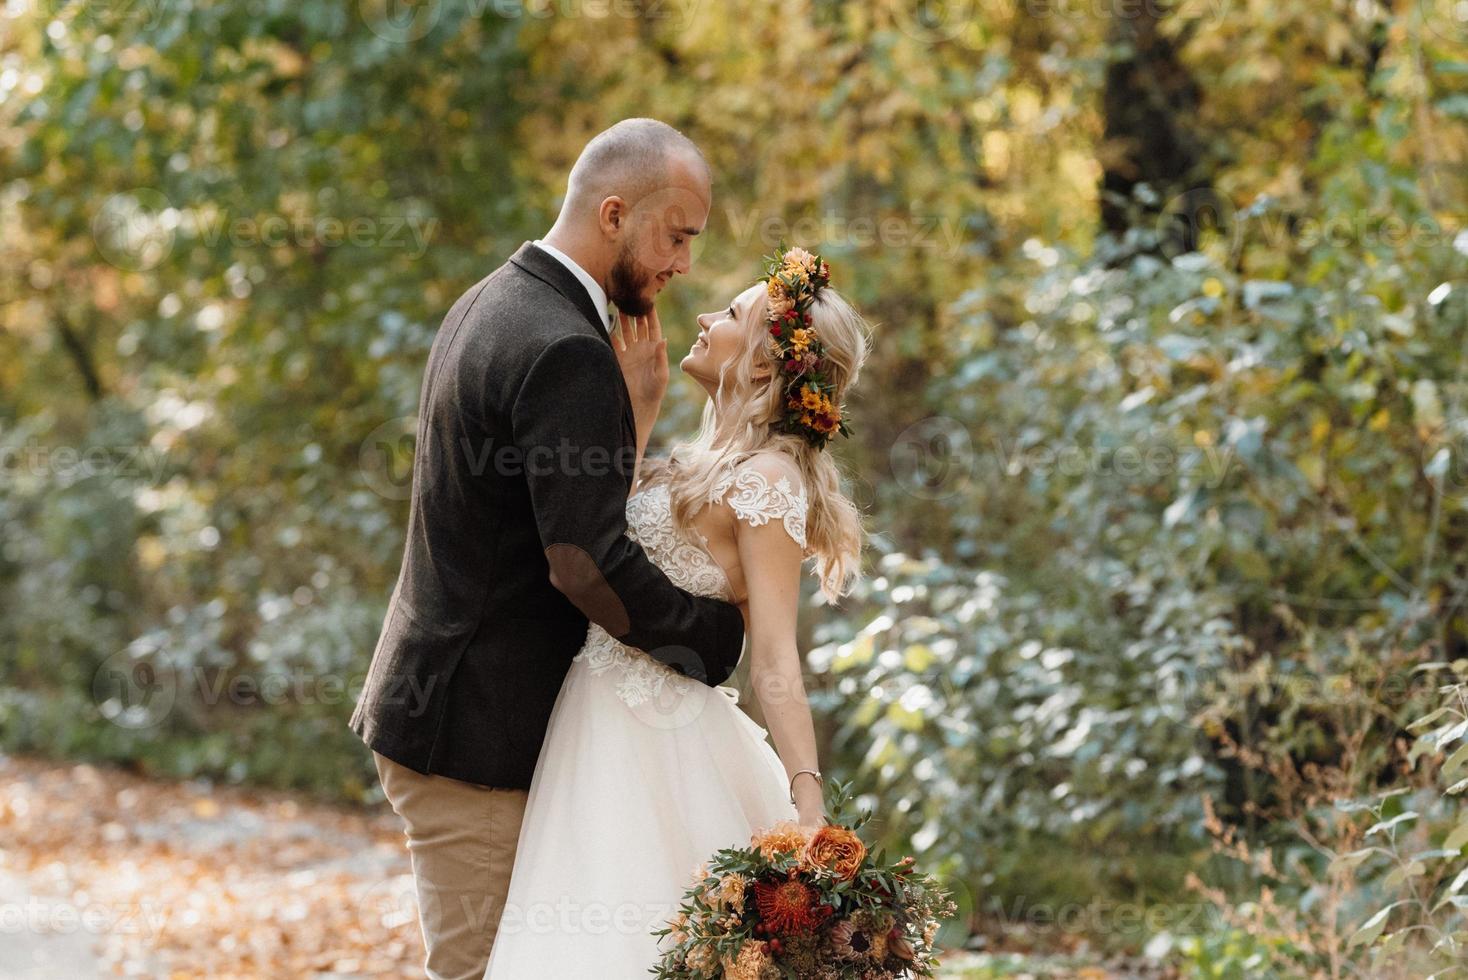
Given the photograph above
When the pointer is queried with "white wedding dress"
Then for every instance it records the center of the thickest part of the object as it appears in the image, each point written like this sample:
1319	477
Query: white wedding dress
643	775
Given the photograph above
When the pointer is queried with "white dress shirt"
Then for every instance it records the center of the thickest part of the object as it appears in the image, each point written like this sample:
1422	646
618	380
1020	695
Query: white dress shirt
593	288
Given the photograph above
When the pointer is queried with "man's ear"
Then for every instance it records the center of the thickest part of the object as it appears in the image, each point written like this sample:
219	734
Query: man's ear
612	216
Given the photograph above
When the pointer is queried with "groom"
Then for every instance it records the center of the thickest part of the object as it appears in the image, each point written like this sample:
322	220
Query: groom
523	462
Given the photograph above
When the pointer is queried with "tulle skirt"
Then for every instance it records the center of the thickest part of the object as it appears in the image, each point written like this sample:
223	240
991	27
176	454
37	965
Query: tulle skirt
625	802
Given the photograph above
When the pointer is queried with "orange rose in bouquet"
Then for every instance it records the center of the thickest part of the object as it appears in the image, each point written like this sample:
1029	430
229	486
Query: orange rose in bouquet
837	850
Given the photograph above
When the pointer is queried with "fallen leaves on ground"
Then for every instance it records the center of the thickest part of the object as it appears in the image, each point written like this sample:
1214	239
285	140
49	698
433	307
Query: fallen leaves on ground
185	880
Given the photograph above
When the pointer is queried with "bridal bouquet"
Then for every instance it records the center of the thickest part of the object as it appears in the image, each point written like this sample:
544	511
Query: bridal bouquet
796	904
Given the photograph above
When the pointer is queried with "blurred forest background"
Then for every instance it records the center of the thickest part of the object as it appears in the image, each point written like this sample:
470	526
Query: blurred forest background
1163	442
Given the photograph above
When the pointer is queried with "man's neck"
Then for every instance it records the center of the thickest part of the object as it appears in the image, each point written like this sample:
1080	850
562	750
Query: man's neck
580	252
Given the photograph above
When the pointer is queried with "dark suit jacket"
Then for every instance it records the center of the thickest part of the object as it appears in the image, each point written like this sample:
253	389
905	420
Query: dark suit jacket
516	536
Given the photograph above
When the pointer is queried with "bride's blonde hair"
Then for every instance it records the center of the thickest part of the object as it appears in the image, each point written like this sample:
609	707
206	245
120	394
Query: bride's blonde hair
744	427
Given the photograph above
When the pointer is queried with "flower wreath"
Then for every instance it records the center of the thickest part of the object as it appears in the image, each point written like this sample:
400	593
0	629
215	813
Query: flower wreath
792	278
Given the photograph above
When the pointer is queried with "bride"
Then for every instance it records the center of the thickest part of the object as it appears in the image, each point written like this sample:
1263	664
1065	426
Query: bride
644	773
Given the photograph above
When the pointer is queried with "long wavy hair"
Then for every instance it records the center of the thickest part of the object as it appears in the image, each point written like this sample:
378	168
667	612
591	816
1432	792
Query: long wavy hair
737	424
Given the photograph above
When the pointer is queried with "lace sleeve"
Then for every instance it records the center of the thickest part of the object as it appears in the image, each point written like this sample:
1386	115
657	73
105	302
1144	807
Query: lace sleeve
757	500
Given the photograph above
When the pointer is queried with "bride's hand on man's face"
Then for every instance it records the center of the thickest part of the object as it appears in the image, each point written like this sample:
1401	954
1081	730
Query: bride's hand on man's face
642	352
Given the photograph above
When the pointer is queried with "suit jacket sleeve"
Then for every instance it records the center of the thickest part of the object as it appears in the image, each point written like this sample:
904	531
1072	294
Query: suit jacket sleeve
566	422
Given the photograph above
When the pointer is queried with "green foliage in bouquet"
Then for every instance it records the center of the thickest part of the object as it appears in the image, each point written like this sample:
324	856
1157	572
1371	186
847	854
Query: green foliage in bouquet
808	905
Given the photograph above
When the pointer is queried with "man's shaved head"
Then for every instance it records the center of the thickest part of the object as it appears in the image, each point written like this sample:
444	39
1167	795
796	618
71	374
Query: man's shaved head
630	160
637	196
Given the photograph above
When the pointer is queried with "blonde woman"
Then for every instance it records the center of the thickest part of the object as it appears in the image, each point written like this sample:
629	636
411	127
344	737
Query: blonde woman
644	771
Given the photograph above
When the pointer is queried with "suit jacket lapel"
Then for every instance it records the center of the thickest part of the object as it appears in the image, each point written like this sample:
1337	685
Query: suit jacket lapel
545	268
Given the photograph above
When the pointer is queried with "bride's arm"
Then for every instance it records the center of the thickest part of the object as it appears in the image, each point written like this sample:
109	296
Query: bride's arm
771	560
642	353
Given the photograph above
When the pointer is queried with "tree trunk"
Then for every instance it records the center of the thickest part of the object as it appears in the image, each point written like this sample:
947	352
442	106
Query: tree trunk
1150	103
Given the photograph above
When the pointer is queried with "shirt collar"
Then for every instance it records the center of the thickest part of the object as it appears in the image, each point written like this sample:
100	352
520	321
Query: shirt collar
593	288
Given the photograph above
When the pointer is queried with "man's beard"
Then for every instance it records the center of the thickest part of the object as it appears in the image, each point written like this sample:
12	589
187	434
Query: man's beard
627	287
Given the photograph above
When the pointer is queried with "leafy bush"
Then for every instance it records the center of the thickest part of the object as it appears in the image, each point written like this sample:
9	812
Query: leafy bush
1167	507
1368	885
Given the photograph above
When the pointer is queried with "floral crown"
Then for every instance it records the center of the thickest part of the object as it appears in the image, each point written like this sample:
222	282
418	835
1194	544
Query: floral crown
792	278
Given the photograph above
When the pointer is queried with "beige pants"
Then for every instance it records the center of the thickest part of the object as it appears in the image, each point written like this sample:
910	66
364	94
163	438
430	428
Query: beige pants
462	839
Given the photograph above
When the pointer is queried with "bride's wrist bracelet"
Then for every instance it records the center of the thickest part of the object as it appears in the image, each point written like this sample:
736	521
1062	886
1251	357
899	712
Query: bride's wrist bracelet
813	772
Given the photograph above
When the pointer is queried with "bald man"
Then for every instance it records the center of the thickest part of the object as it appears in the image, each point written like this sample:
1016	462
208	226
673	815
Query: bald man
516	532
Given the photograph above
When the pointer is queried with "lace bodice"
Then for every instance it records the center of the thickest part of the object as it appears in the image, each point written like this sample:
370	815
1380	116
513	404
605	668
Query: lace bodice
688	565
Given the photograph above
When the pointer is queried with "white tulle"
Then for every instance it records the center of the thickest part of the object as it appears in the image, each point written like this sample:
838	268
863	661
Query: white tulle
643	775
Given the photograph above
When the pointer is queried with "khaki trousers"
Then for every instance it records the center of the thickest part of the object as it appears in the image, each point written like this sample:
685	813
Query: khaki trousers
462	840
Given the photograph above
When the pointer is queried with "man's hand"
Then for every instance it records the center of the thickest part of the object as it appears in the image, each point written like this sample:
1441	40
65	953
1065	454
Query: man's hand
642	352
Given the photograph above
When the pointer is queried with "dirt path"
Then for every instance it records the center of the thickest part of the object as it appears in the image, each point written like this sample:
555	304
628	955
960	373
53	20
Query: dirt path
107	874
